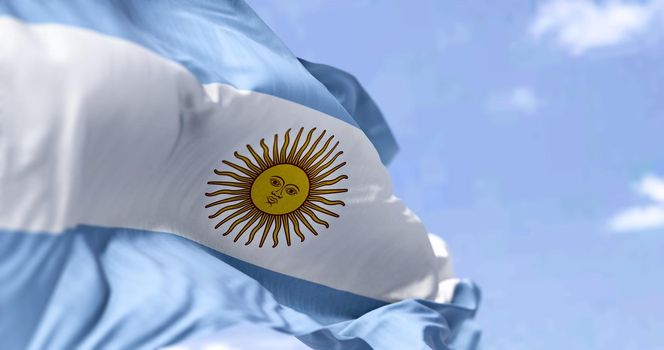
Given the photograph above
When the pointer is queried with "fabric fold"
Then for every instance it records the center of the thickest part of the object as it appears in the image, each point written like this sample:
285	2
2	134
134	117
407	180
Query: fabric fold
109	288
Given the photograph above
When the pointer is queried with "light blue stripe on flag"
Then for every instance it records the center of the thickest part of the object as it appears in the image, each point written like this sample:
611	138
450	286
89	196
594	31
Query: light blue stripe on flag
219	42
95	288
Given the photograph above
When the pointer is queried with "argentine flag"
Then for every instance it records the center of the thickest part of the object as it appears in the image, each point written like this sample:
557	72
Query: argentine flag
170	168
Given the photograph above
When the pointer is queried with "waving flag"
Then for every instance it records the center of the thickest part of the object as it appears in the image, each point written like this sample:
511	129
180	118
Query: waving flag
169	168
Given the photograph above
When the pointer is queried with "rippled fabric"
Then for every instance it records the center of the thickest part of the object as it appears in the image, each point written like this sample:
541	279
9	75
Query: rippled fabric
220	42
352	96
117	289
94	287
107	288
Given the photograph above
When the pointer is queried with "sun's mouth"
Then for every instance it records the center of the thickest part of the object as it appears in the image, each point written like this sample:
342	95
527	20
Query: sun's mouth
272	199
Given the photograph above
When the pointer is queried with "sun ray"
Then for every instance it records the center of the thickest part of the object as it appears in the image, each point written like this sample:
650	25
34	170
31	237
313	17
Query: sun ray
230	207
282	156
317	154
230	184
228	200
306	222
282	190
270	220
233	175
296	226
239	168
266	153
256	216
247	225
318	163
284	222
258	158
247	162
289	159
242	219
327	173
296	159
258	226
315	185
326	201
275	149
275	233
314	217
315	171
328	191
231	216
225	191
311	149
320	209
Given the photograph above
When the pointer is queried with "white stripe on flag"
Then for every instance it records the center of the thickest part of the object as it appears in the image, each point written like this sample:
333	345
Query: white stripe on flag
100	131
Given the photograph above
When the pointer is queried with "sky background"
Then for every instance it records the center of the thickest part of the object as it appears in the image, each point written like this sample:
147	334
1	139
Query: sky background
532	141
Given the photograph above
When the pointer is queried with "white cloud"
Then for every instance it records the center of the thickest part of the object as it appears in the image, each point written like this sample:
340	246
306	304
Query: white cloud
653	187
639	218
644	217
581	25
521	99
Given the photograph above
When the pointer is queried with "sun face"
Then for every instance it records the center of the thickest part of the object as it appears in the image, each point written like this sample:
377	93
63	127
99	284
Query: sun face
280	189
277	192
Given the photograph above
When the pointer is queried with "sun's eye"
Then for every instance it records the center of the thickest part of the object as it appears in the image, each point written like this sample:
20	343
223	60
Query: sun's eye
291	190
275	182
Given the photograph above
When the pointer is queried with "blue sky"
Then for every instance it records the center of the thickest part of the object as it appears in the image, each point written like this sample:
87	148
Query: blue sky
532	141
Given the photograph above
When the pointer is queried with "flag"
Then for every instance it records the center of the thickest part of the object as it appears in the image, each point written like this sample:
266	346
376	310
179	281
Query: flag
170	168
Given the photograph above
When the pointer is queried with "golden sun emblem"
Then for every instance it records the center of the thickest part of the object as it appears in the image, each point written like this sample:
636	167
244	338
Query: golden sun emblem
279	191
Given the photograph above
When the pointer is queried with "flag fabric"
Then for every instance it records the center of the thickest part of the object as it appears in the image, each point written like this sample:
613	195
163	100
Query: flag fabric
170	168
